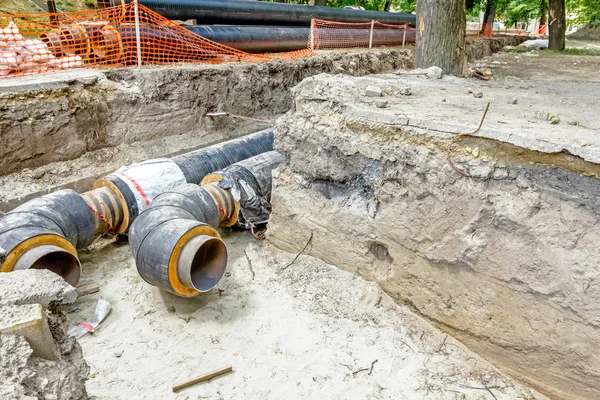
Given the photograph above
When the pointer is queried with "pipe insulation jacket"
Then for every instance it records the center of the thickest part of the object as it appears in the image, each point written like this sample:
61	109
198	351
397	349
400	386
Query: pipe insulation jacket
174	241
175	244
262	39
250	183
265	13
138	184
45	232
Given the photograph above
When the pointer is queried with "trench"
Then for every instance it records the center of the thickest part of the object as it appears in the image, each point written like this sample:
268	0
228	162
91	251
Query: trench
82	127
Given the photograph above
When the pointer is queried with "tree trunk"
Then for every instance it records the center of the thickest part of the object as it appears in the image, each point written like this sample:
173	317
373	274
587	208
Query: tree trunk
440	35
489	14
387	6
557	25
319	2
544	12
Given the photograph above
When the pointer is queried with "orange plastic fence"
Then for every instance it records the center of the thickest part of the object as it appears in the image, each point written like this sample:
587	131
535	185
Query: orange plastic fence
325	35
105	38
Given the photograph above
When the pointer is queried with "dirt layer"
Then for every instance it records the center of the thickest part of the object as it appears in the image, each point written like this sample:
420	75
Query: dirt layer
489	233
305	330
62	116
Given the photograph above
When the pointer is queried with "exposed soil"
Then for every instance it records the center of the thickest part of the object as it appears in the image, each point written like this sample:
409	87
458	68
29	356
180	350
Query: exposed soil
304	331
483	231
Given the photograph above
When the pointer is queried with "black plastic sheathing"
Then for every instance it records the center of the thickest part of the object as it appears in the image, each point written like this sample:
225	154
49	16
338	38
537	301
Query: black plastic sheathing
63	212
256	39
197	164
153	255
251	179
127	194
155	232
263	39
265	13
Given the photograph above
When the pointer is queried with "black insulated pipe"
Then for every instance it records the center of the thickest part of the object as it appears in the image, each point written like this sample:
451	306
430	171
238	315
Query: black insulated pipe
264	13
45	232
197	164
175	244
256	39
174	241
262	39
251	181
194	165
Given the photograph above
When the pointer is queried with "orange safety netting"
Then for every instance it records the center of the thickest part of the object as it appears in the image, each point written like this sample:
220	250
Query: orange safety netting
326	35
104	38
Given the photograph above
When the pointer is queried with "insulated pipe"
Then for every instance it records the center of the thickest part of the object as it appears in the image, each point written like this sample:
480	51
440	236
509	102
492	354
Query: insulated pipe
250	182
175	244
256	39
44	233
174	241
264	13
137	185
262	39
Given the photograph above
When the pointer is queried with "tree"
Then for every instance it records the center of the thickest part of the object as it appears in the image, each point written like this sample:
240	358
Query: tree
440	35
543	12
557	25
490	13
318	2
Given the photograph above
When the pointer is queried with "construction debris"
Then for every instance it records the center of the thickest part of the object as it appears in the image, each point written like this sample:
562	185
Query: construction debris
203	378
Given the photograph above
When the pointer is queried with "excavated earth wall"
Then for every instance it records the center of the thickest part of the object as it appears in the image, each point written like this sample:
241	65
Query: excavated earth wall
492	236
59	117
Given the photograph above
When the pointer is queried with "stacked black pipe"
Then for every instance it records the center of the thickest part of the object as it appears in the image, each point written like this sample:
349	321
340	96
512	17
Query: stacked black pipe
265	13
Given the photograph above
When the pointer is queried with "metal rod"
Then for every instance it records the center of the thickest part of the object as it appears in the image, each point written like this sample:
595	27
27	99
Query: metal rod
371	34
312	36
404	36
137	34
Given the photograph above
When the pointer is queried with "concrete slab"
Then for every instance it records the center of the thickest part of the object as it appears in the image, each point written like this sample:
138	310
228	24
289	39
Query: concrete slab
54	80
34	286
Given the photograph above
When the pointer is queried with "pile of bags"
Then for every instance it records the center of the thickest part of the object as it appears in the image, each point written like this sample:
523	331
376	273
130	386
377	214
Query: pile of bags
25	56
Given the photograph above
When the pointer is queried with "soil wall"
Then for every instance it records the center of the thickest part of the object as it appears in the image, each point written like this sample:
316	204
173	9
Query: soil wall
492	238
84	113
60	117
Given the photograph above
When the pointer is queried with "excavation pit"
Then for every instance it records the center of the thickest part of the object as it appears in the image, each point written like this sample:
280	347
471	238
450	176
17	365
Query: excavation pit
288	322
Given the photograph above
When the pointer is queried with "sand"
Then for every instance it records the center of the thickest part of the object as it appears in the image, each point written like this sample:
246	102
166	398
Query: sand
306	331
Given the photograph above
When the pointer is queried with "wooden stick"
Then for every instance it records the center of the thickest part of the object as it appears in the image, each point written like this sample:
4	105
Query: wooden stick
203	378
87	289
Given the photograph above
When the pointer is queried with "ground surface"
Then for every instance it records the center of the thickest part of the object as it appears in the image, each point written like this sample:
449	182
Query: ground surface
486	232
296	332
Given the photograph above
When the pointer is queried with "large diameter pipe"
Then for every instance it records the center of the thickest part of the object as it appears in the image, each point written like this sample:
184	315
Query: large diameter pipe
265	13
261	39
174	241
175	244
138	184
46	232
256	39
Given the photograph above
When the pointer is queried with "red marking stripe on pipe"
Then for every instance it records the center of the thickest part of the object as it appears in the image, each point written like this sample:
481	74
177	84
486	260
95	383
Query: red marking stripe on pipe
137	187
102	217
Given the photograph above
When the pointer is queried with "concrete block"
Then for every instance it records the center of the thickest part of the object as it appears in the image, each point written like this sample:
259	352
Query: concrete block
30	322
35	286
373	91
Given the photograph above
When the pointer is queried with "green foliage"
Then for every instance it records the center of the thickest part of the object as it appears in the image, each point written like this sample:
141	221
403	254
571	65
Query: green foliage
513	11
584	11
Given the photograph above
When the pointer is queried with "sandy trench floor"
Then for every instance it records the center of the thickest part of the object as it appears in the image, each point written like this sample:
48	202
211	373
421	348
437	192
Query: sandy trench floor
308	331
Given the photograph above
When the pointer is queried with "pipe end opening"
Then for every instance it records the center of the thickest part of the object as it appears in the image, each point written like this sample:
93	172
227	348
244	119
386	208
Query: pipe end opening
52	258
204	264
